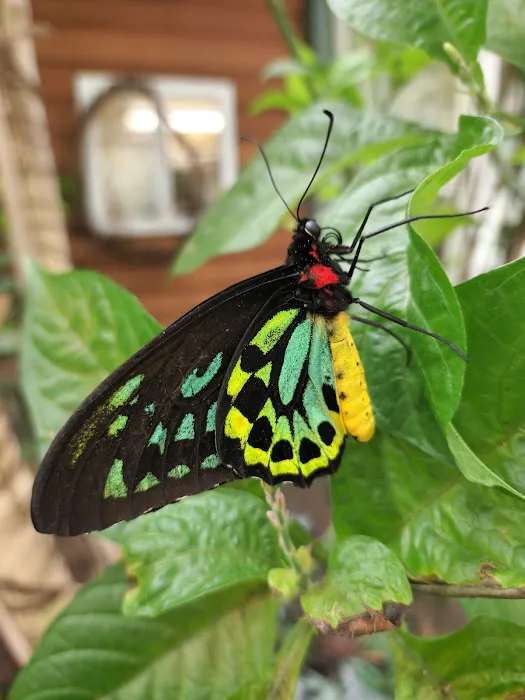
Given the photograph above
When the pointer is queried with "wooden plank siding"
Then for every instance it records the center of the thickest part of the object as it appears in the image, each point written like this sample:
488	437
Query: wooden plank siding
233	39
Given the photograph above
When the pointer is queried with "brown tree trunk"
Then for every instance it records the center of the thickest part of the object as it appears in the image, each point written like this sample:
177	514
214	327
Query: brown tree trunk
31	193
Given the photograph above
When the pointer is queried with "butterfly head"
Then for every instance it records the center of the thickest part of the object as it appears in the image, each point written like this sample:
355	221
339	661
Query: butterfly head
311	228
307	228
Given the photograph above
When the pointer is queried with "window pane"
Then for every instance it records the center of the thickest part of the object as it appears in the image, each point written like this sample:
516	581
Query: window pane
194	152
130	159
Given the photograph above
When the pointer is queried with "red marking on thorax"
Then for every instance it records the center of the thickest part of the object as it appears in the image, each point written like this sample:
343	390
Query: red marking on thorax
320	275
314	253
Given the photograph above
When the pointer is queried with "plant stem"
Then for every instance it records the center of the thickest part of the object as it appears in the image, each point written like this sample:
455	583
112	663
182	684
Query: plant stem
280	520
284	26
288	35
476	87
469	591
506	174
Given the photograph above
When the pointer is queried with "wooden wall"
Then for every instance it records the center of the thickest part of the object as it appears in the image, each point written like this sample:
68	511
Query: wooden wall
225	38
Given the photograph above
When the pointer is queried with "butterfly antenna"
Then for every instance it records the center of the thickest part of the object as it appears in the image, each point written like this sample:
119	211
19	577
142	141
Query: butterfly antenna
265	158
327	139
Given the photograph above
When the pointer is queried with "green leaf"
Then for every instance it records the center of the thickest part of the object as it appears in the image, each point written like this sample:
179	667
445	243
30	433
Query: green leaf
433	306
362	574
510	610
282	67
491	417
475	138
284	583
425	25
92	652
307	56
274	99
506	30
77	328
412	683
297	88
251	210
471	466
207	543
430	287
439	525
290	660
401	63
434	231
350	69
482	661
410	284
232	659
345	75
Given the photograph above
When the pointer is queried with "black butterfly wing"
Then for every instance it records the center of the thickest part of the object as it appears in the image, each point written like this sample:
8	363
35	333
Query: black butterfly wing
146	436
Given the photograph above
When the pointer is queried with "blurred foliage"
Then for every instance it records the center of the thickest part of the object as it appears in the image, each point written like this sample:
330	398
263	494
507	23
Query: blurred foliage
438	495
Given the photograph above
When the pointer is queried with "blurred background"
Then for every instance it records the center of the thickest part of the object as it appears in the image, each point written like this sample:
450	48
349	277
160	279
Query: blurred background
120	123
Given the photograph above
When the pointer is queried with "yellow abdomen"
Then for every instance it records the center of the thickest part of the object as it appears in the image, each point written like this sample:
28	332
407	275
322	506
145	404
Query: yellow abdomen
351	388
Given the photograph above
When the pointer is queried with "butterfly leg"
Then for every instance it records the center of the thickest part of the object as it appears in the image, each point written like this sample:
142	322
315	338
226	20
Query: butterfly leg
369	212
405	324
376	324
378	257
401	223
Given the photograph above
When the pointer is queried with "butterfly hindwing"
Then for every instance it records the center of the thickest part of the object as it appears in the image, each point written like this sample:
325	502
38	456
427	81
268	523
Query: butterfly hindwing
146	436
278	413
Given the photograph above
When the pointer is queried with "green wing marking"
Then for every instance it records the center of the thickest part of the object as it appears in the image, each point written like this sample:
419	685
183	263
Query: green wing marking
147	483
179	471
186	429
115	486
158	437
281	414
124	395
294	358
195	383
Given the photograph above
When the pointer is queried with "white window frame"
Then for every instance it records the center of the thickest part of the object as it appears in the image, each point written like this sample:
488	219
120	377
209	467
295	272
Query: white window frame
90	86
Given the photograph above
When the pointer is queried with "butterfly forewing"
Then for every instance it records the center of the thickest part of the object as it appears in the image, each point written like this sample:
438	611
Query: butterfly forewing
146	436
278	413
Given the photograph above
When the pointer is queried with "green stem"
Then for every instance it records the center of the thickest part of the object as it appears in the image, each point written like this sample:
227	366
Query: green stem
284	26
506	175
477	90
469	591
514	119
275	500
287	33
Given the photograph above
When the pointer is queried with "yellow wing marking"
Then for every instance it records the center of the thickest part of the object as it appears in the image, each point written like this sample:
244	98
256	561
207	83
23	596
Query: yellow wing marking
351	388
237	426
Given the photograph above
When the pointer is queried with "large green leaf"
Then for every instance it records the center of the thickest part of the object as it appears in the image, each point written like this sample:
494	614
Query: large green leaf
92	652
410	284
506	30
491	416
362	575
433	305
483	661
251	210
439	525
431	292
426	25
78	327
208	543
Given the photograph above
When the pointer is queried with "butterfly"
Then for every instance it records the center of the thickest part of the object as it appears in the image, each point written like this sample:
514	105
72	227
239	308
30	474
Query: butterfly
264	379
